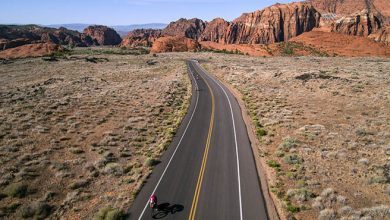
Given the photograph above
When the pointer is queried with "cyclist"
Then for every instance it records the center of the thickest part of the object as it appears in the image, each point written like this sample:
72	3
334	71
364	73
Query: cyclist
153	201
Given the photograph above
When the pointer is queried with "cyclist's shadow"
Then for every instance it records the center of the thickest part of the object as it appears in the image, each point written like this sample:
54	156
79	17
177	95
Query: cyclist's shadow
164	209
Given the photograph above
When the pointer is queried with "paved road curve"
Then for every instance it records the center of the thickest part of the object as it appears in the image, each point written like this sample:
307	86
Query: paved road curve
209	171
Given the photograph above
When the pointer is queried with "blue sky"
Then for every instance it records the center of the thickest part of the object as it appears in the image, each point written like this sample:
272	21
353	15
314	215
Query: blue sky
122	12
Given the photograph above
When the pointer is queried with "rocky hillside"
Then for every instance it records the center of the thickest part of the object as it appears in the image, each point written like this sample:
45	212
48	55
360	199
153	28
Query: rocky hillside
215	31
103	35
358	24
141	37
273	24
347	7
175	44
368	18
192	28
17	35
31	50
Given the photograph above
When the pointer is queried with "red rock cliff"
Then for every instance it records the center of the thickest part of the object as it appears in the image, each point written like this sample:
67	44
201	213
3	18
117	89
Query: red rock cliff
141	37
192	28
215	31
273	24
174	44
103	35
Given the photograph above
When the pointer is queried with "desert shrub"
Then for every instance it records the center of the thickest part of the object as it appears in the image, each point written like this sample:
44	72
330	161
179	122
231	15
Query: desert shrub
39	210
345	210
288	143
79	184
377	212
109	213
8	209
378	180
327	192
18	190
327	214
150	162
292	208
2	196
261	132
288	49
301	194
292	159
279	153
273	164
114	169
317	205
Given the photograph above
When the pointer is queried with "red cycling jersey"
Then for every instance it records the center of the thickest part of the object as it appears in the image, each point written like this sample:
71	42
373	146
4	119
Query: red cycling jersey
153	199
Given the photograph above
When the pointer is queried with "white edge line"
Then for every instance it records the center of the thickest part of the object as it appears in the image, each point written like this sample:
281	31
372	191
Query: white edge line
235	138
177	146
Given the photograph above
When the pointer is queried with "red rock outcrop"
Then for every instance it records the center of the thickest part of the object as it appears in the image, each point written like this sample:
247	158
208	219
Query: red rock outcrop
342	45
382	35
174	44
37	34
340	8
103	35
30	50
358	24
191	28
273	24
141	37
215	31
7	44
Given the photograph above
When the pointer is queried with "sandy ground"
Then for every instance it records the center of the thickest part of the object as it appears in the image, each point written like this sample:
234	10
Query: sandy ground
324	129
77	136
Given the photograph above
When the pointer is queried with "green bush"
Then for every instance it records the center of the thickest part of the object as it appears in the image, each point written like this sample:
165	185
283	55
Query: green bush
150	162
292	159
288	49
8	209
288	143
261	132
18	190
273	164
109	213
291	208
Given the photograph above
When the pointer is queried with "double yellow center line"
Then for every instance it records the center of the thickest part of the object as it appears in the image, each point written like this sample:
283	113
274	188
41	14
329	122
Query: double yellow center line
204	161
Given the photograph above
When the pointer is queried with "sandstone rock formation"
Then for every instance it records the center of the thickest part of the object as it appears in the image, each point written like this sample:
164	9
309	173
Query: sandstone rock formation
340	8
342	44
174	44
17	35
103	35
358	24
273	24
141	37
215	31
7	44
382	35
30	50
191	28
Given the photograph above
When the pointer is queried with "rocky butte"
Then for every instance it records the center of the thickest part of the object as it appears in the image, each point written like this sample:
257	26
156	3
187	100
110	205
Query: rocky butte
103	35
192	28
141	37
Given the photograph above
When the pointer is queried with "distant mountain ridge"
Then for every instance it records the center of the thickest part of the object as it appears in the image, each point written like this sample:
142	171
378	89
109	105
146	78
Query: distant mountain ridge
121	29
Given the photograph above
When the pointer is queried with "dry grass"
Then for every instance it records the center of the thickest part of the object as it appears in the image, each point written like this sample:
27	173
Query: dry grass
326	124
77	136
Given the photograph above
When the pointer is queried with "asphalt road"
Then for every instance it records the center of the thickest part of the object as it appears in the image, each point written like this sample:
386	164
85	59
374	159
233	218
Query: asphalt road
208	172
